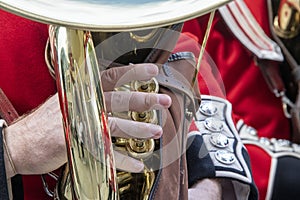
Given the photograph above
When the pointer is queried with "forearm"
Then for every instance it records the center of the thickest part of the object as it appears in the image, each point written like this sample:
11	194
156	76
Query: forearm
35	138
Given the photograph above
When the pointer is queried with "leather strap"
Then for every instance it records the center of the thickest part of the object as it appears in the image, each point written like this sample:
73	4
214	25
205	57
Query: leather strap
175	79
291	51
270	71
9	114
171	83
295	113
244	26
7	110
173	76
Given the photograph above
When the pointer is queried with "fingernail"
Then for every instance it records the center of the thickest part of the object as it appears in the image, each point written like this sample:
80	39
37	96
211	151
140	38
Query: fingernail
157	132
164	100
152	69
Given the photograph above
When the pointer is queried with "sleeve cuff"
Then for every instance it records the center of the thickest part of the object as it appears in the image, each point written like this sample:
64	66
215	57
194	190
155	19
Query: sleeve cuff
216	151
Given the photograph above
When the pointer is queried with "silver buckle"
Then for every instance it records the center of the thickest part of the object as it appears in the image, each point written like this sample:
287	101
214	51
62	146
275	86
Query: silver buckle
286	103
45	184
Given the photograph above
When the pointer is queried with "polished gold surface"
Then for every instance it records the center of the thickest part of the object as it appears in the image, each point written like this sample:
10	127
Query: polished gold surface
140	149
145	86
110	16
91	172
287	21
147	116
137	186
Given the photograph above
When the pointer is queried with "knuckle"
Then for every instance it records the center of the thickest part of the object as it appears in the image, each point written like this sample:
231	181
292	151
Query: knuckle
110	76
150	100
117	98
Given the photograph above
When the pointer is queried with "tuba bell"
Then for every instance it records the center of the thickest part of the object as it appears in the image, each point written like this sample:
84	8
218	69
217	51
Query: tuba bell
76	27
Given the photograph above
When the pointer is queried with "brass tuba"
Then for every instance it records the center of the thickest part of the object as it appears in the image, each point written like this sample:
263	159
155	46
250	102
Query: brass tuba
91	173
287	22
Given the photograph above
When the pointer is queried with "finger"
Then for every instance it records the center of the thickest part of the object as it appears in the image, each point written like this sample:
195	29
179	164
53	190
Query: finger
120	101
117	76
126	163
132	129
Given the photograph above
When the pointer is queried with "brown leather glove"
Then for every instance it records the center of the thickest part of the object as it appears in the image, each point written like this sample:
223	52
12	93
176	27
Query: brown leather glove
176	80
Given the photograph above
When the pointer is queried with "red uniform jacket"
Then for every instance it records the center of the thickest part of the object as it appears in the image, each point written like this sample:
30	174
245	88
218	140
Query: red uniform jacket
24	76
27	83
242	84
